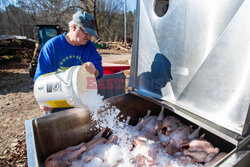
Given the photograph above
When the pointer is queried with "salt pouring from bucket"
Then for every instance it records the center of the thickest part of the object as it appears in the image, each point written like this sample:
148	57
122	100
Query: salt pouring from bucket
65	88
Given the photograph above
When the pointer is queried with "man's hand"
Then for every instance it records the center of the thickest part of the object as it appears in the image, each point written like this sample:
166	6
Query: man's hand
44	108
89	66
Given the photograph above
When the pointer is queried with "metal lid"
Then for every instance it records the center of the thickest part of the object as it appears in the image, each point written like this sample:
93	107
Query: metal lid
196	56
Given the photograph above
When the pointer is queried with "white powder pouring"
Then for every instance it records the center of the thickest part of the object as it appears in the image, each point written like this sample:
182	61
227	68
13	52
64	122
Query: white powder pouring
101	113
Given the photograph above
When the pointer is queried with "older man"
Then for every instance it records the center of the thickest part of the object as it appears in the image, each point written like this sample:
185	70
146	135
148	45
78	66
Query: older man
70	49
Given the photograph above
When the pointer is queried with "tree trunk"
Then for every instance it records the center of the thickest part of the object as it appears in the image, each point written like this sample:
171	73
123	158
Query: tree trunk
96	26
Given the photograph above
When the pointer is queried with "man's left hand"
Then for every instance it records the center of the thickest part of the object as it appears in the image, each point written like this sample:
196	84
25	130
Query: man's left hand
89	66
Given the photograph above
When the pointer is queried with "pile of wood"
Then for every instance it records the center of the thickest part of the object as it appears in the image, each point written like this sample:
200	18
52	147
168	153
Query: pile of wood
13	45
116	46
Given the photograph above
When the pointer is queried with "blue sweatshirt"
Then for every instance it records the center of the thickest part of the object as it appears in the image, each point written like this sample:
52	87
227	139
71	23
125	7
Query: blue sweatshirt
57	53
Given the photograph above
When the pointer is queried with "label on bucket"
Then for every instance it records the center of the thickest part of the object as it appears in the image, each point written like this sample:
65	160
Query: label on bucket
58	103
53	87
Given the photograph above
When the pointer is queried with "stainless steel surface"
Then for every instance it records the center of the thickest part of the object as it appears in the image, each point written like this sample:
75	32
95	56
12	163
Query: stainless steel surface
134	58
196	57
239	157
116	81
31	144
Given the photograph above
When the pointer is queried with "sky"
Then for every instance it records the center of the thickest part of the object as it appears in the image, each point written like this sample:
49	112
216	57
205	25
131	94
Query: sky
131	5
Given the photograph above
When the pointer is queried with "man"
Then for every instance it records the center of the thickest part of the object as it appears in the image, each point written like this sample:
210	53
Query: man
70	49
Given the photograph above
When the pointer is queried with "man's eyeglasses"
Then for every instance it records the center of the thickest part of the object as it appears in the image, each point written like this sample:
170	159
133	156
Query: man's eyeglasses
83	31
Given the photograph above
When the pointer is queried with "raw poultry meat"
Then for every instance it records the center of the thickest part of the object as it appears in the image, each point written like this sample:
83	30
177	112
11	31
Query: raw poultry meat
180	135
153	136
65	157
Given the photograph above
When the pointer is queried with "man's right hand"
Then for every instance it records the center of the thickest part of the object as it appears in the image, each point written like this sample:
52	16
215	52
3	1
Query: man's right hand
44	108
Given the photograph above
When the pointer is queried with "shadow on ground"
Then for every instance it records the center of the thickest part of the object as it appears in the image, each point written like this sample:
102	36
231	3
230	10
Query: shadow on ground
13	82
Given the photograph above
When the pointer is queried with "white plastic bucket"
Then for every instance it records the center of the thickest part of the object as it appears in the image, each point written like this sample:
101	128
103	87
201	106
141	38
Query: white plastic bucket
65	88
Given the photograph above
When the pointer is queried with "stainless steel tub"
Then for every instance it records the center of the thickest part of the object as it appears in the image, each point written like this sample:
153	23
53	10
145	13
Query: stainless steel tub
49	134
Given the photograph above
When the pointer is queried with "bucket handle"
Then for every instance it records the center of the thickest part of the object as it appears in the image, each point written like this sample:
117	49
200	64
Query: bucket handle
58	76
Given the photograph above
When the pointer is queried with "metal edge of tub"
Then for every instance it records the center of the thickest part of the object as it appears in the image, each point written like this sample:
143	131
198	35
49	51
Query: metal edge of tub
32	158
239	157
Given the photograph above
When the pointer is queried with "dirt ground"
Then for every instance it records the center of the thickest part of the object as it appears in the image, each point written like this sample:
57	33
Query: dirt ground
17	104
